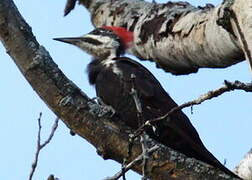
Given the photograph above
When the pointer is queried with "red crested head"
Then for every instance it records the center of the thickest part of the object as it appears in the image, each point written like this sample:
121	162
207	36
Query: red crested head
125	36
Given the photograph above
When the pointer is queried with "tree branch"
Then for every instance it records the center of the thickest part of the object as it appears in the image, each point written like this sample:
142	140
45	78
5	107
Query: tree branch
177	36
228	86
244	169
111	139
41	146
138	159
240	19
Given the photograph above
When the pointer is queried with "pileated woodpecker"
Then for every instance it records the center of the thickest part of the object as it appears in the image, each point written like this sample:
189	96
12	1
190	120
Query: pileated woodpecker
111	75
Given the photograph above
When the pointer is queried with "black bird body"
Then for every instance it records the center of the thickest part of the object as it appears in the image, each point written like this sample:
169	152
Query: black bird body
114	89
112	77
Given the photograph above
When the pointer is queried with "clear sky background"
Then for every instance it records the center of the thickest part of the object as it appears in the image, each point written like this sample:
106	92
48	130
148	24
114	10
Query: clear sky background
223	123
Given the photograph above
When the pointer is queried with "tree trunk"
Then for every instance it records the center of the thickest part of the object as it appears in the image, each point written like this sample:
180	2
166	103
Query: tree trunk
178	37
70	104
244	169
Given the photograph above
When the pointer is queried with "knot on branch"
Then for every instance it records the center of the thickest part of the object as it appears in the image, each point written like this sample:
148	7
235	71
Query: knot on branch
103	152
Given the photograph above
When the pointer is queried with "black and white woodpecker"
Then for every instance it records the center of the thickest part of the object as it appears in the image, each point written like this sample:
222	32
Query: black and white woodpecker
111	74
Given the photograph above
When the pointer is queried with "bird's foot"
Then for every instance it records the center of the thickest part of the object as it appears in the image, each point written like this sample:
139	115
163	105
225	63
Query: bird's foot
99	108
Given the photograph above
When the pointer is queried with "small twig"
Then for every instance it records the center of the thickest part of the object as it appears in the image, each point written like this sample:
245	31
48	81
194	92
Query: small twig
145	153
41	146
132	163
136	100
143	137
228	86
123	169
225	162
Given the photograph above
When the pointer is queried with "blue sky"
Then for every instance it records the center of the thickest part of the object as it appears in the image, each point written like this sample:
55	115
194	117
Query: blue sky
223	123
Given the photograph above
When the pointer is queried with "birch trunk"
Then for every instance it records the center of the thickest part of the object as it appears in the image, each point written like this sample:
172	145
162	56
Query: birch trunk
179	37
72	106
244	168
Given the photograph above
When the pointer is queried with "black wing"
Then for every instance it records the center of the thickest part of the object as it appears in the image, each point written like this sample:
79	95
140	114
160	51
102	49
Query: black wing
176	132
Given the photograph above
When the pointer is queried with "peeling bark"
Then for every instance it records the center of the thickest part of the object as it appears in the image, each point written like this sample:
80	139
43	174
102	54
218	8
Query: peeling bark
66	100
242	24
178	37
244	169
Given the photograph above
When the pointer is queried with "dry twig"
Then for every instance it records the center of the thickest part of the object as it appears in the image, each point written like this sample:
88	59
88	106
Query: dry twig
39	68
143	136
132	163
228	86
41	146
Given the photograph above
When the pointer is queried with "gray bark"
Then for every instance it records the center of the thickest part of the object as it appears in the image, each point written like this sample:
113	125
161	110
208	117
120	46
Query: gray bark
178	37
244	168
67	101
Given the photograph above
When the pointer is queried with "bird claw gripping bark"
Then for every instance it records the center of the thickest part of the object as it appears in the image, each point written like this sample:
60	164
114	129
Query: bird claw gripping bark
99	108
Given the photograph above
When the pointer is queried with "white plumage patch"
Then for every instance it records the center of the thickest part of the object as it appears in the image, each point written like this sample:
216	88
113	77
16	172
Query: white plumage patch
105	49
110	63
116	70
108	46
107	42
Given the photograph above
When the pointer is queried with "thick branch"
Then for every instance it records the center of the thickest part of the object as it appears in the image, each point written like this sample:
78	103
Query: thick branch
244	169
180	38
131	164
70	104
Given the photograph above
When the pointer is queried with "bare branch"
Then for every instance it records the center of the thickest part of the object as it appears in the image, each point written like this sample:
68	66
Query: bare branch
34	164
228	86
143	136
111	139
41	146
244	169
137	160
54	127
